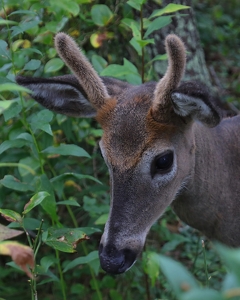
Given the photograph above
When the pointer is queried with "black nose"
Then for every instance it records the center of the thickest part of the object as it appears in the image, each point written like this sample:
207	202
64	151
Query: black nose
116	261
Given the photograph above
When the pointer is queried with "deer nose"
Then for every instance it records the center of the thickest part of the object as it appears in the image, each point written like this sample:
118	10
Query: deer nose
116	261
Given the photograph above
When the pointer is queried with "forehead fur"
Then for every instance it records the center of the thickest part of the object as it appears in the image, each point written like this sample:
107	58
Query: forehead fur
129	130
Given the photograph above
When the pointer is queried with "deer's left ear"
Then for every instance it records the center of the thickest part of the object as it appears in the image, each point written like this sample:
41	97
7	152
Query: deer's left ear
192	99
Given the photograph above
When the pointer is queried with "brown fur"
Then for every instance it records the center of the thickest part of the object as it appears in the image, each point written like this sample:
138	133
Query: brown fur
176	66
143	124
105	113
77	62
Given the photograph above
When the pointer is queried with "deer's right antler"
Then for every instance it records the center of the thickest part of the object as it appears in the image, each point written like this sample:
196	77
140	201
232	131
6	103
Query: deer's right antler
176	66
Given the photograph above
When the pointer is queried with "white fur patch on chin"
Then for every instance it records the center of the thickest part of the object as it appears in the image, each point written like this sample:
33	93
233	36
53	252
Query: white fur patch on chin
185	105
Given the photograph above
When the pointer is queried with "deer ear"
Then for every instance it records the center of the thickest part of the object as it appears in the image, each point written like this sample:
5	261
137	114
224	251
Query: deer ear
192	99
61	94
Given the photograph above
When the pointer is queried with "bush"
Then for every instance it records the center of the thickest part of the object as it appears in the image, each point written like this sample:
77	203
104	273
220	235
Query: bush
54	184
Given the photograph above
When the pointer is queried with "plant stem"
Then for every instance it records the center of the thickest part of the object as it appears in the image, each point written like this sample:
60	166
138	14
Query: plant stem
147	286
146	279
61	275
141	24
205	264
93	275
37	147
30	170
196	255
84	251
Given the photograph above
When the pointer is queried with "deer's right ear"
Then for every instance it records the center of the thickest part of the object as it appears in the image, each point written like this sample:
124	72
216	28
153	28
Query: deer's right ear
59	94
192	100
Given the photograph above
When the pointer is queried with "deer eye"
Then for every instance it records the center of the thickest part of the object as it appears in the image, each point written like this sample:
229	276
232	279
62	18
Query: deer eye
162	163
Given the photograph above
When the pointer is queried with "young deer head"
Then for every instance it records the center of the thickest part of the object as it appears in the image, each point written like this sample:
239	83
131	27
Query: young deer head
152	136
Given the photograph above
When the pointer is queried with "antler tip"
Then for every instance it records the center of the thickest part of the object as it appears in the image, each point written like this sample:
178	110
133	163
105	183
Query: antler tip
60	38
174	43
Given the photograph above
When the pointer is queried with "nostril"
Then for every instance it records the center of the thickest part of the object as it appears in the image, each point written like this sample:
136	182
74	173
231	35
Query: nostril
116	261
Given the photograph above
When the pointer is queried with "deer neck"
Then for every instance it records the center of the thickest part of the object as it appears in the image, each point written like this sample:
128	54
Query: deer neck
210	201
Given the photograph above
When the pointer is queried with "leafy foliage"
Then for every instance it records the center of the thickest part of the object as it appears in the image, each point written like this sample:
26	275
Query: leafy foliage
53	183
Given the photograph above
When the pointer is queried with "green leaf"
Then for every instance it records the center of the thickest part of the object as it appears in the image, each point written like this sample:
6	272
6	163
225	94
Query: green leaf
159	57
29	161
66	5
41	121
31	50
18	143
78	176
115	295
5	104
23	26
33	64
13	87
11	215
34	201
114	70
178	277
101	14
7	22
176	239
136	4
64	239
67	149
126	72
102	219
157	24
4	52
144	43
81	260
98	63
168	9
13	183
133	42
200	294
127	22
56	26
130	66
151	266
53	65
135	30
68	202
23	12
31	224
231	258
47	128
12	111
49	203
46	262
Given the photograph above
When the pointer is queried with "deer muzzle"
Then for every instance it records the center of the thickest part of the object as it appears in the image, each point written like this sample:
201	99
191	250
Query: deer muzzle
116	261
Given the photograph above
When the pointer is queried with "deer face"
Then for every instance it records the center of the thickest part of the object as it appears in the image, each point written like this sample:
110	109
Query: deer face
148	142
148	163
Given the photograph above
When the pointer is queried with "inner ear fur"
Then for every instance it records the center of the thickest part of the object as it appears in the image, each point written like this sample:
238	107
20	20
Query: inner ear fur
65	95
193	99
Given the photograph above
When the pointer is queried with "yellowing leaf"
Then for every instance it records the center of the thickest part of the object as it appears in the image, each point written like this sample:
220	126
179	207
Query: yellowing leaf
8	233
64	239
22	255
96	40
35	200
10	215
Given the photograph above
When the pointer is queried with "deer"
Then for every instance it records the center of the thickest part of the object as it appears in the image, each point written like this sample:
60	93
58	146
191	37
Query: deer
165	144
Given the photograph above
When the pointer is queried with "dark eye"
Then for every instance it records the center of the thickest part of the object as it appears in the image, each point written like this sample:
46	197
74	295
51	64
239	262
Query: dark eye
162	163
